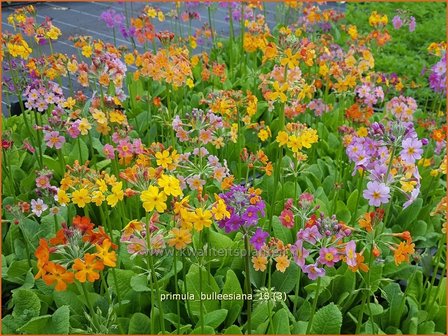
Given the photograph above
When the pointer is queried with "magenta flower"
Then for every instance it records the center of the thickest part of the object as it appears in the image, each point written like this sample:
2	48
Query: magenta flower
313	271
299	253
412	150
124	149
397	22
259	239
54	140
350	253
328	256
377	193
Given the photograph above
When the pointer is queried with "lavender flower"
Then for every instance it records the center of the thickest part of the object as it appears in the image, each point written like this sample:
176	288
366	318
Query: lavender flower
377	193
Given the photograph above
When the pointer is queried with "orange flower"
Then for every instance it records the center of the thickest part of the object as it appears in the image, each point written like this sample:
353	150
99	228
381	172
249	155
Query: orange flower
366	222
97	237
88	269
108	258
82	223
57	273
42	254
402	252
359	264
60	238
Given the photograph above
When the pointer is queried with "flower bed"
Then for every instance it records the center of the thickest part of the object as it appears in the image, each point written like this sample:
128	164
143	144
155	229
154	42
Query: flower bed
274	182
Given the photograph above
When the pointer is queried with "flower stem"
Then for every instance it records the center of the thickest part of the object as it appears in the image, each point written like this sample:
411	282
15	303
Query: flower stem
313	311
248	285
89	305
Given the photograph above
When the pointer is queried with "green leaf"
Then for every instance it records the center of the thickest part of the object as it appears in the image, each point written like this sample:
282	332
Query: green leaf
232	286
233	330
139	283
58	323
327	320
215	318
26	302
280	323
139	324
207	331
123	279
351	201
209	286
286	282
410	214
70	299
17	271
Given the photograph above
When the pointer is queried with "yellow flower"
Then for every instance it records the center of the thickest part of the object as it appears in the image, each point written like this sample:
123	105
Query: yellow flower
81	197
295	143
109	258
282	263
97	197
129	59
117	194
160	16
282	138
63	199
87	51
290	60
190	83
170	185
264	134
309	137
84	126
151	199
279	92
163	159
181	238
220	210
69	103
202	219
362	132
259	262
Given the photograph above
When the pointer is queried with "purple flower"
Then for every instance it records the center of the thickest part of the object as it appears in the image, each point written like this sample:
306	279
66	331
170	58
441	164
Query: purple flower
299	253
412	24
250	216
412	150
258	239
328	256
53	139
313	271
377	193
397	22
350	253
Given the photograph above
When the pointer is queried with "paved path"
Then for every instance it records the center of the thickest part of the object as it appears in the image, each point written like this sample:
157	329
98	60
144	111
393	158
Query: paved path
83	18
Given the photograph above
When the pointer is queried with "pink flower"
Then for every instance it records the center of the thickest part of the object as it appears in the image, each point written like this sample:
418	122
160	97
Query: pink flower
53	139
43	182
397	22
350	253
412	24
287	218
73	131
299	253
109	151
313	271
124	149
328	256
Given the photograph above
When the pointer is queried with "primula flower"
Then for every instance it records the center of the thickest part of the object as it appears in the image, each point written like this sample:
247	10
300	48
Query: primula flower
181	238
328	256
202	219
53	139
377	193
81	197
109	258
82	223
397	22
219	210
299	253
117	194
170	185
151	199
57	273
402	252
259	262
88	270
164	159
259	239
313	271
412	150
38	207
350	253
282	263
287	218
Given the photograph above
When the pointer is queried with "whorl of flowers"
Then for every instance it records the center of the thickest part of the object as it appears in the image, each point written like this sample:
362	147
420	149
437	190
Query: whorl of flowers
245	207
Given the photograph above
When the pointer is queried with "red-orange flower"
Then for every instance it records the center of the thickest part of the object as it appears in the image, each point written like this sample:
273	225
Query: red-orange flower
88	270
82	223
57	273
42	254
